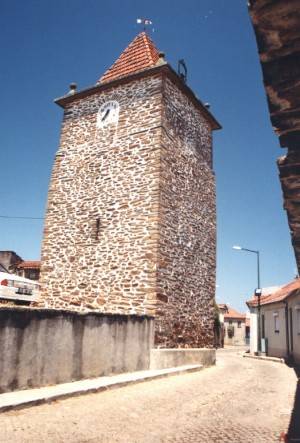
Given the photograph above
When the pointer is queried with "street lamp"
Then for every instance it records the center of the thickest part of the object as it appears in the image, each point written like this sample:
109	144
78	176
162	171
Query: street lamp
258	290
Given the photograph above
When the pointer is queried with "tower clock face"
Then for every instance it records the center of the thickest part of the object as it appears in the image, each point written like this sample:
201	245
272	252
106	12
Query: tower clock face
108	114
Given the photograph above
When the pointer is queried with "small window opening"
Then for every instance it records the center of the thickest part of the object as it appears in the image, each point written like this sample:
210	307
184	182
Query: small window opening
276	322
97	230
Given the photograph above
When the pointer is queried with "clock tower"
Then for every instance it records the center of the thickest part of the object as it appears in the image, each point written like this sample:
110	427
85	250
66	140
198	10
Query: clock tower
130	224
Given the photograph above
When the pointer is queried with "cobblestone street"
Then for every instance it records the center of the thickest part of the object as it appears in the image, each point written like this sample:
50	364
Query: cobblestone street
239	400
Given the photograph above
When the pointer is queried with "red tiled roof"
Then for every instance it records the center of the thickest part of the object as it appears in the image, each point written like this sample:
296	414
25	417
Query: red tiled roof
138	56
29	264
277	296
232	313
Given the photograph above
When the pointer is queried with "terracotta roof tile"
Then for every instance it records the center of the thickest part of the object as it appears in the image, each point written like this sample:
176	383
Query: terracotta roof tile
277	296
232	313
32	264
138	56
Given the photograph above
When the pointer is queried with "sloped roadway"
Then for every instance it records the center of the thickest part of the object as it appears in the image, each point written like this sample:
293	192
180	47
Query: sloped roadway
238	400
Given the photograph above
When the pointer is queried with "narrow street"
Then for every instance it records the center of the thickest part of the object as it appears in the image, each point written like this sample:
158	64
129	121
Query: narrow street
238	400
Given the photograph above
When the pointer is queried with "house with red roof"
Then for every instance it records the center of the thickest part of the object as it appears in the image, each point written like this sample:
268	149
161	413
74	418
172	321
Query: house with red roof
279	321
13	263
235	328
29	269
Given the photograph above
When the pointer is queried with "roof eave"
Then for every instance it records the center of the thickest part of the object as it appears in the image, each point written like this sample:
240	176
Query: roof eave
165	68
182	85
254	304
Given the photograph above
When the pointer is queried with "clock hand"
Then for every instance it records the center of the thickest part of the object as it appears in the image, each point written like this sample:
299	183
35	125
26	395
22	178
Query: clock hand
105	115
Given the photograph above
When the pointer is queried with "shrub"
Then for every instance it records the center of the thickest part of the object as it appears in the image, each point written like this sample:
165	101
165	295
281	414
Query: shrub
230	331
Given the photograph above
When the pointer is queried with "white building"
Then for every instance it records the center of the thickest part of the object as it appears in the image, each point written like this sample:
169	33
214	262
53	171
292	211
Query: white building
235	327
279	320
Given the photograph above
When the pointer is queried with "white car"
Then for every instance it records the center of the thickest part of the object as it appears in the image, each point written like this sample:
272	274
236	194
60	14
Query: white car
14	287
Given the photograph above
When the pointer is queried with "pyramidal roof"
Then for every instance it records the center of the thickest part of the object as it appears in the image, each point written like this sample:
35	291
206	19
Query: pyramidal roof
138	56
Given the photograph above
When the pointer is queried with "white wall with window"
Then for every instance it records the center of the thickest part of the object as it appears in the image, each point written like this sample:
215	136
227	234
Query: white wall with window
235	332
280	322
275	331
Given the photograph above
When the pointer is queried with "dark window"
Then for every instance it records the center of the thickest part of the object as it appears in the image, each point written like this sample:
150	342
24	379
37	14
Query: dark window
291	329
97	228
262	326
230	331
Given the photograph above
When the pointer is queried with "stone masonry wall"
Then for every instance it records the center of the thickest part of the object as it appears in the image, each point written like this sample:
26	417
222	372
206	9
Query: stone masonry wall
187	241
130	225
101	227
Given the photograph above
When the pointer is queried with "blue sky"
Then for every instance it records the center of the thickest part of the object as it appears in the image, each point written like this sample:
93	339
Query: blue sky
49	44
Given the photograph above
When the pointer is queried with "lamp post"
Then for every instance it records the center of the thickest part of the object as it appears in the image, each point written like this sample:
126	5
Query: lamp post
257	290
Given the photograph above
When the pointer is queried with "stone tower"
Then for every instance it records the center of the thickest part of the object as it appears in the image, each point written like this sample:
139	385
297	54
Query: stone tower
131	223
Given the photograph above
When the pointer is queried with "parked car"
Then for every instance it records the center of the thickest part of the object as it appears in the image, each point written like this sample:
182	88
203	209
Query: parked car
17	288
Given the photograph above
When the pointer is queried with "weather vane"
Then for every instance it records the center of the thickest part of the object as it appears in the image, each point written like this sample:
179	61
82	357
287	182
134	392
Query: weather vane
144	21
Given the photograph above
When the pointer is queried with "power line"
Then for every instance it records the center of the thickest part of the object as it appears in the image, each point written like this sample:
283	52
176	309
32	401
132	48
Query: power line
21	217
